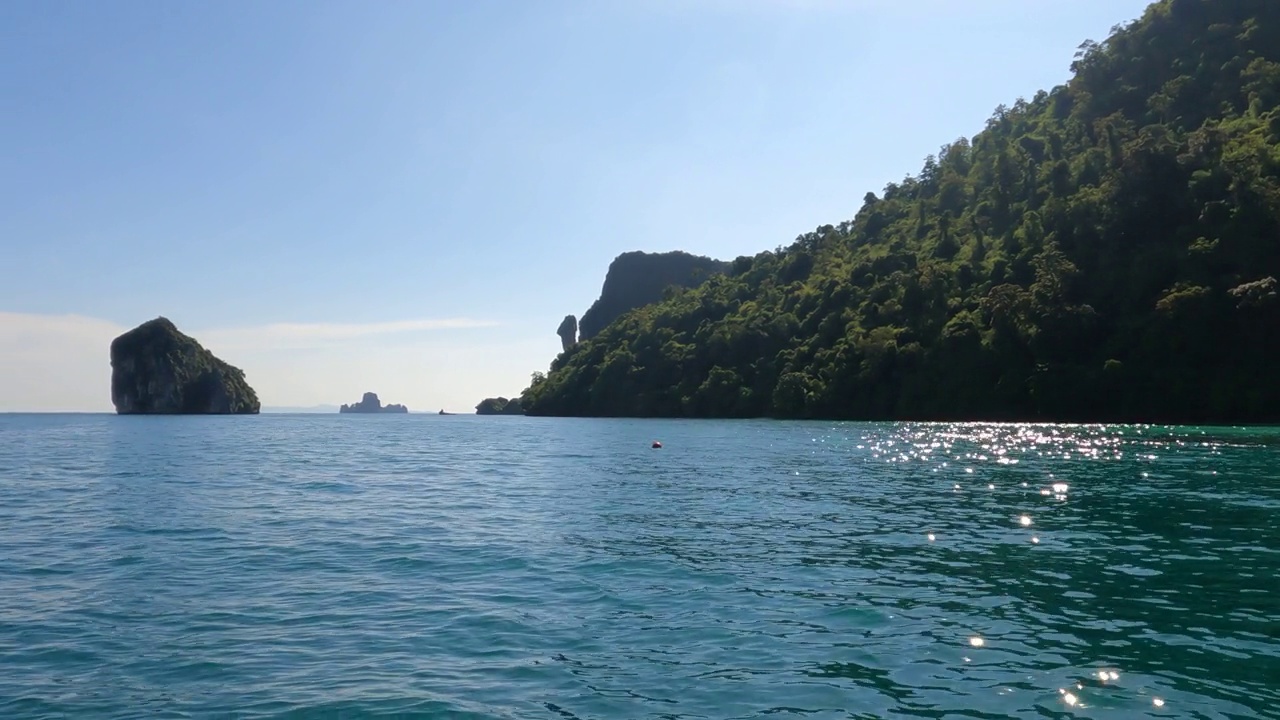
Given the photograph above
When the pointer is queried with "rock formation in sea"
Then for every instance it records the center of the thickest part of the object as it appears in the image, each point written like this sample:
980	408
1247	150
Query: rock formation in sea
371	404
500	406
568	332
157	370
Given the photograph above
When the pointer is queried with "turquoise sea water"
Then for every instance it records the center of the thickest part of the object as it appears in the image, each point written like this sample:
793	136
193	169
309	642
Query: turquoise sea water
425	566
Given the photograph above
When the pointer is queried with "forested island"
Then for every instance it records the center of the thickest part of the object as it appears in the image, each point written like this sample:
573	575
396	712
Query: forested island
158	370
1105	251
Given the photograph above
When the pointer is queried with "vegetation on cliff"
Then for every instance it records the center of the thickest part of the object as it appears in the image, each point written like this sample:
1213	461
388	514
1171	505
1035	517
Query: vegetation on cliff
1107	250
636	279
155	369
500	406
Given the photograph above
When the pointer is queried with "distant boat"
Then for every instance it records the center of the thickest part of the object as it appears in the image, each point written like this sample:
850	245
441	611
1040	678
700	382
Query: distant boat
442	412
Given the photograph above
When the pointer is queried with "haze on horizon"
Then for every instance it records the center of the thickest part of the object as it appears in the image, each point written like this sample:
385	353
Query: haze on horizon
406	198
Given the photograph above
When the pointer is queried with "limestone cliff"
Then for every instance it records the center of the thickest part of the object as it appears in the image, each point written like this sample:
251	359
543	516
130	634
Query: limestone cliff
636	279
568	332
157	370
371	404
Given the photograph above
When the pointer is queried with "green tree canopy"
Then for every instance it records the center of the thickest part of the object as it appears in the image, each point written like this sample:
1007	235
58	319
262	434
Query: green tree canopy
1106	250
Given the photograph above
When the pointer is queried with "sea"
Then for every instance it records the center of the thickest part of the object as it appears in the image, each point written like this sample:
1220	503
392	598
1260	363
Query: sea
424	566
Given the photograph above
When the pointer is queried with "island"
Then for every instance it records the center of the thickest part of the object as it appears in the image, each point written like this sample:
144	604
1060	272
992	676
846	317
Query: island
500	406
1101	251
157	370
370	404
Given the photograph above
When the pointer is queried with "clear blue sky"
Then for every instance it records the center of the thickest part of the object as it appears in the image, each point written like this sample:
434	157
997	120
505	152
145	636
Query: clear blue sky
338	166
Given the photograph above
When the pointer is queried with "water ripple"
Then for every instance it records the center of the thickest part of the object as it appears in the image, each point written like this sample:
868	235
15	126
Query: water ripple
418	566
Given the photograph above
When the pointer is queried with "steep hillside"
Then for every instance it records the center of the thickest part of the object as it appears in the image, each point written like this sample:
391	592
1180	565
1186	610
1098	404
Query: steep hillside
1107	250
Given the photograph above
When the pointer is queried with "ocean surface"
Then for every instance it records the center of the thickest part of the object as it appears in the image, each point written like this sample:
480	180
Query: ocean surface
326	566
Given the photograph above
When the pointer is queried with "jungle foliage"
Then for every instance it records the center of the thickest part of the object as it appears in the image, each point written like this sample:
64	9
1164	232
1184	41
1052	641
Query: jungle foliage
1106	251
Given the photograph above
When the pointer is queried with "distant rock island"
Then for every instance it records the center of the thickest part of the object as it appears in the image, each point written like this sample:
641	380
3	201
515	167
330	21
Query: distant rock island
157	370
499	406
371	404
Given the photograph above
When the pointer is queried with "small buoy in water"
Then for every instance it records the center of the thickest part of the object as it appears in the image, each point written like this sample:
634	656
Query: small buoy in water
656	445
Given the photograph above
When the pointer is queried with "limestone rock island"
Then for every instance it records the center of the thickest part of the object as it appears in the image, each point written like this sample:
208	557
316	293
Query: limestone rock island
157	370
371	404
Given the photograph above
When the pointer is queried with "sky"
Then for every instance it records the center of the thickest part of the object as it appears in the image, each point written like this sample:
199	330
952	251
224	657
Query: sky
406	197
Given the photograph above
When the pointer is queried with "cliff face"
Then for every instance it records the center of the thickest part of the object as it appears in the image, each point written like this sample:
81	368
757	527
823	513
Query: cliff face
155	369
636	279
568	332
370	403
